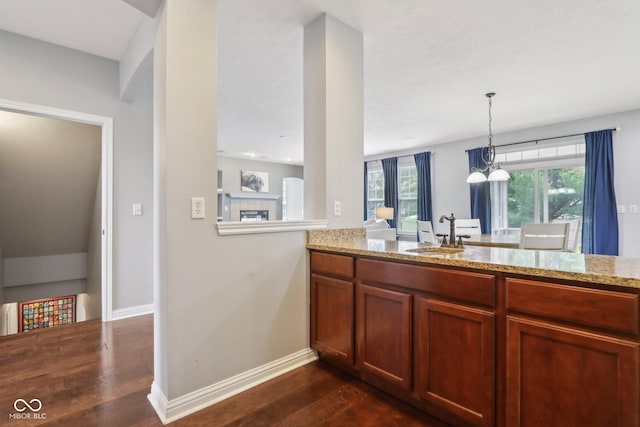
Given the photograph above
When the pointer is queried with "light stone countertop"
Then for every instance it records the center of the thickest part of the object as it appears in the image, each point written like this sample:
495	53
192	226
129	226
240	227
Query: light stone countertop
596	269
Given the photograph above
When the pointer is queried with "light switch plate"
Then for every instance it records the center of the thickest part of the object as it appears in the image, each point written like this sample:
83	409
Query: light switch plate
633	208
621	209
137	209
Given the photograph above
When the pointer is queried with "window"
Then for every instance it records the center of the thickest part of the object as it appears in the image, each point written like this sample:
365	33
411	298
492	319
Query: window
407	192
375	191
546	185
407	198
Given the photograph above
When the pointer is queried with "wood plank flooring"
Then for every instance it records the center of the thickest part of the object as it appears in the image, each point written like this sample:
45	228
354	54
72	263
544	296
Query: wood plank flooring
99	374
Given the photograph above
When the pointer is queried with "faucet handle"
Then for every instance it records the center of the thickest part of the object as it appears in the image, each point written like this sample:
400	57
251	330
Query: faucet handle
444	238
460	236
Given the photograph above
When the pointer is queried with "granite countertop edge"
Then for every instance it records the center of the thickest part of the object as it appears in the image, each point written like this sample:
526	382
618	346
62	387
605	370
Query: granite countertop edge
600	269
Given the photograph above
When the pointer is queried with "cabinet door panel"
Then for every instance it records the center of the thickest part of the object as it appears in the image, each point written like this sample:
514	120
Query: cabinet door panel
563	377
384	334
455	359
332	312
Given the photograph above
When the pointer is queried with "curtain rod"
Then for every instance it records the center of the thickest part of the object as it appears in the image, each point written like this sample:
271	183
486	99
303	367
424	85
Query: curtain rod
546	139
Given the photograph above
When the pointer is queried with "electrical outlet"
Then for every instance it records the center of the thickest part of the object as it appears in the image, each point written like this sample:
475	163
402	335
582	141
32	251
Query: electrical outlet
633	208
336	208
197	207
620	209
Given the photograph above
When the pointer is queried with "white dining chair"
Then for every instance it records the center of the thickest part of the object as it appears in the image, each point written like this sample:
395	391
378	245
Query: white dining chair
574	233
468	226
548	237
425	232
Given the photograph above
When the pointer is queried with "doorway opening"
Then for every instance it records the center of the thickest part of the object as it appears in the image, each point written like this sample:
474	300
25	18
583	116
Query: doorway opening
100	221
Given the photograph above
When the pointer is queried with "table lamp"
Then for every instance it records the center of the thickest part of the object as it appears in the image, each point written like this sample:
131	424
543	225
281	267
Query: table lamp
384	213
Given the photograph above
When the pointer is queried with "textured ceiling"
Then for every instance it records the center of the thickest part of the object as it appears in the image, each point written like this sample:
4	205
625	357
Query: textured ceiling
428	64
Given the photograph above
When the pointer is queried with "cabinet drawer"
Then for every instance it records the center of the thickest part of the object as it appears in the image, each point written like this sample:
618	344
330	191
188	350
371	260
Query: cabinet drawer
476	288
336	265
611	310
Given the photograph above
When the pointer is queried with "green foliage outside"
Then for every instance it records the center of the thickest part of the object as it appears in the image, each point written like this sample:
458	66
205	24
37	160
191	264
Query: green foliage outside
565	193
407	194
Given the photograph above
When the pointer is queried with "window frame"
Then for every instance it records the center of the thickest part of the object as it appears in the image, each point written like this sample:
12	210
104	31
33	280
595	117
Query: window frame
406	161
499	206
374	166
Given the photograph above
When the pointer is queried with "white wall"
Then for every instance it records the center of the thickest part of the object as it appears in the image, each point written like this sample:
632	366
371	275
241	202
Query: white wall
44	290
1	279
333	122
231	168
450	169
345	123
133	174
224	305
40	73
91	300
42	269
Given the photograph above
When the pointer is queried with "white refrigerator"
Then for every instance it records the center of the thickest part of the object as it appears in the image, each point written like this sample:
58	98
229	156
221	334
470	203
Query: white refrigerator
292	199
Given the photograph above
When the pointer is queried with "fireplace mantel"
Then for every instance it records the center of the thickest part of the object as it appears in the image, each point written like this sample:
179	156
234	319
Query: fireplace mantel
249	195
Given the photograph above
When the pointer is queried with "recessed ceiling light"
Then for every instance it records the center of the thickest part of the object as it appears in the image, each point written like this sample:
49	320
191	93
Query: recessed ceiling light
283	137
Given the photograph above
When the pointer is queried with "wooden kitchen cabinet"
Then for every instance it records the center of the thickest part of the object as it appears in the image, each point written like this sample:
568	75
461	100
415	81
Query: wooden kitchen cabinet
332	307
384	334
476	347
455	359
332	318
563	377
568	361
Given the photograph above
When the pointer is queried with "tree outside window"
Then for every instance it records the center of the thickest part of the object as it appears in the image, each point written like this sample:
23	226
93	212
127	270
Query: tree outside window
539	195
407	195
375	191
407	198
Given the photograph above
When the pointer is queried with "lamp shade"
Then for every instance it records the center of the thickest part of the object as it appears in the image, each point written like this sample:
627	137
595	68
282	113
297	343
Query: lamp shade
384	213
499	175
476	177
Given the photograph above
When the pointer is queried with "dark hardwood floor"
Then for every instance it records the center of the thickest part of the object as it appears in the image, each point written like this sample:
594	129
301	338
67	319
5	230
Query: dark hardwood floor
99	374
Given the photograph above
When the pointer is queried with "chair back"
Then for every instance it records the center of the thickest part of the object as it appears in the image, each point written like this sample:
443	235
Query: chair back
574	233
548	237
425	232
468	226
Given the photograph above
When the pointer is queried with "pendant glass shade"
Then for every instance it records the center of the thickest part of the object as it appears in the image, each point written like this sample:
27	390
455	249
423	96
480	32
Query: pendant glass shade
499	175
476	177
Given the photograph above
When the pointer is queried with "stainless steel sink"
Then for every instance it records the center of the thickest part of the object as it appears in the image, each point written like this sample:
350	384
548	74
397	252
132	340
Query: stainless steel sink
436	250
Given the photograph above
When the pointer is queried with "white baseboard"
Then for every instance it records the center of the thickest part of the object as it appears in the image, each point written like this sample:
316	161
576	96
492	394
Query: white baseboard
138	310
169	411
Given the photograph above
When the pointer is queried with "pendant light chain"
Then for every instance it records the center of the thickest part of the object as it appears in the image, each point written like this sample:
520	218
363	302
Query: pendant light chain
490	119
491	154
491	171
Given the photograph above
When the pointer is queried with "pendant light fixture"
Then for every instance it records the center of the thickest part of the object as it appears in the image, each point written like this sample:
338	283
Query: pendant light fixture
491	171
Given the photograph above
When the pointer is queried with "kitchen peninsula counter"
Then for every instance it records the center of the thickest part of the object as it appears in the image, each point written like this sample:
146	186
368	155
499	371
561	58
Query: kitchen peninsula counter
487	337
597	269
